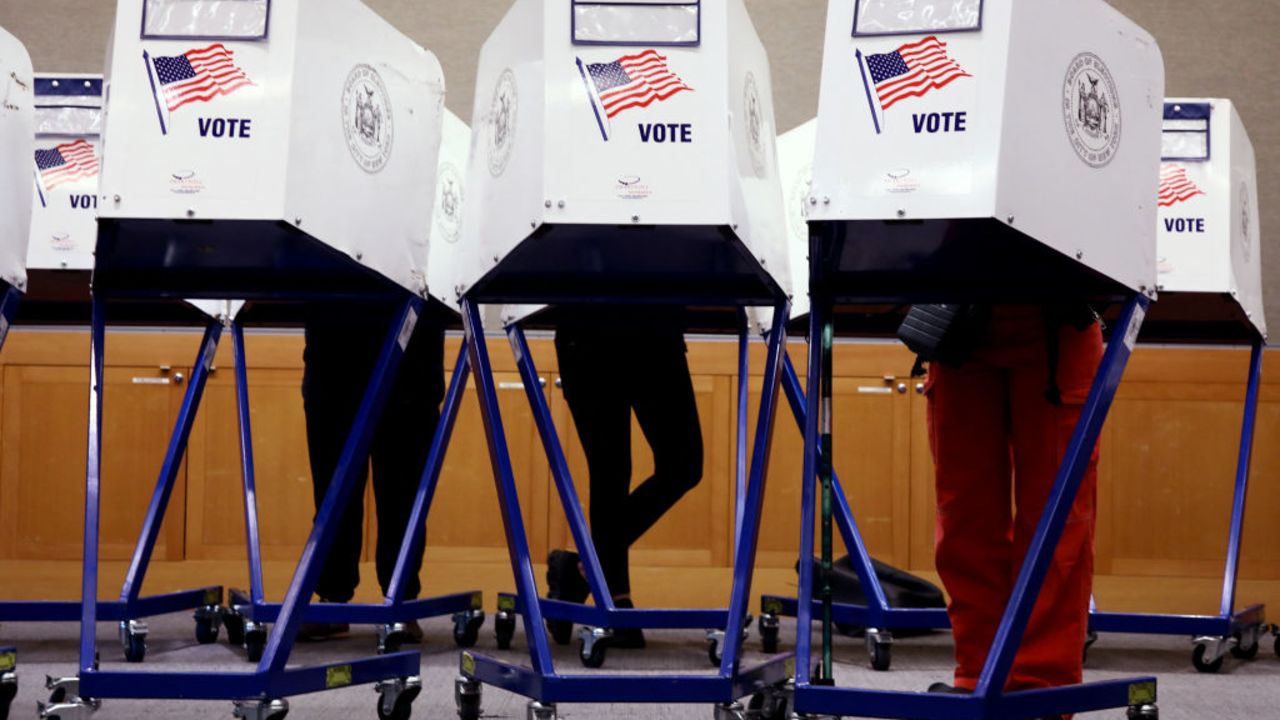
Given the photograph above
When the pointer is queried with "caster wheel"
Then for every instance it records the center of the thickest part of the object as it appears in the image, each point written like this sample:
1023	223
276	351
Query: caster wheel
234	623
504	628
769	632
561	631
255	641
135	647
207	630
1197	659
1244	652
8	691
594	656
881	656
767	706
1144	712
403	708
466	630
713	651
468	707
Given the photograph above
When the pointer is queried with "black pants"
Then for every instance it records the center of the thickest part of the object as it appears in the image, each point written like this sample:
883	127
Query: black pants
343	344
607	376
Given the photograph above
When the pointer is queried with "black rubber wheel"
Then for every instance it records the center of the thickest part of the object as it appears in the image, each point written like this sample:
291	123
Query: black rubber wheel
764	707
1244	652
561	631
594	659
207	630
254	643
135	648
465	634
234	623
1197	659
278	715
7	694
1144	712
881	656
713	652
469	707
58	695
769	640
403	708
505	631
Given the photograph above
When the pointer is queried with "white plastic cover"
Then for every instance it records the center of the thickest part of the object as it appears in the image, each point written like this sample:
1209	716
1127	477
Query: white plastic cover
65	120
1185	140
638	21
226	19
877	17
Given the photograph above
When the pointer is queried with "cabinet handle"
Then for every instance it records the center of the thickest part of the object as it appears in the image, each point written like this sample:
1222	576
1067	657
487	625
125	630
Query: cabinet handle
178	378
919	388
559	382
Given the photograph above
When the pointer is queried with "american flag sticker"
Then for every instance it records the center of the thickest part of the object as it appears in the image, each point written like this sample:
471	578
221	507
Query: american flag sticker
197	75
1175	186
913	70
631	81
66	163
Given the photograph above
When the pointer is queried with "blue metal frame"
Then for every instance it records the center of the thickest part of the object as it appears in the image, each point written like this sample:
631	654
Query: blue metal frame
925	31
540	681
989	700
573	23
394	608
272	679
130	606
1228	621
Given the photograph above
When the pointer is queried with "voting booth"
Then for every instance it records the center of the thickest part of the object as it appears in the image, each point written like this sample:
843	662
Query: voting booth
1210	283
68	130
16	119
978	151
622	154
260	150
16	132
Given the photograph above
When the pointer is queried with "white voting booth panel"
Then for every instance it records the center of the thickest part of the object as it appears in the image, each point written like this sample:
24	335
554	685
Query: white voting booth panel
622	115
1209	230
16	141
795	168
68	129
451	198
317	114
1040	115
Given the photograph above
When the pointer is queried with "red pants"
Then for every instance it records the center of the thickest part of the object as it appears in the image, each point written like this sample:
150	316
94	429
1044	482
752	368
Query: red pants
997	443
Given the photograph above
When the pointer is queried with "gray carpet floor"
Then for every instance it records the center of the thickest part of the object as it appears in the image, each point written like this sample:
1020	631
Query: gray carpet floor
1242	690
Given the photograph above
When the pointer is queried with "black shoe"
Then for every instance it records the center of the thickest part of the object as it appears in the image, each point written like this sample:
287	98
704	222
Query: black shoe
319	632
945	689
413	632
564	582
627	638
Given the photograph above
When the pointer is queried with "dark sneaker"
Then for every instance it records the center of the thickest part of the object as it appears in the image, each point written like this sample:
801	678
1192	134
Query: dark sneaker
627	638
945	689
319	632
413	632
564	582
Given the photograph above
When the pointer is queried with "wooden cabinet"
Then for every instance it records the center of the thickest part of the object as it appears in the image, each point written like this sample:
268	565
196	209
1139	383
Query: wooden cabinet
1167	468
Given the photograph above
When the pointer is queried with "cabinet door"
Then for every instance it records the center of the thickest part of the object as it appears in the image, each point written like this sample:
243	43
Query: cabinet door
215	513
871	434
42	472
697	531
924	497
465	524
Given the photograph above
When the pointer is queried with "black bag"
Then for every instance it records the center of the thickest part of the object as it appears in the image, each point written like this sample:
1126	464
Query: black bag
944	333
901	589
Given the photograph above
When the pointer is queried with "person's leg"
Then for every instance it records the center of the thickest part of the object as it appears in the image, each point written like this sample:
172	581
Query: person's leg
401	446
667	410
331	391
1051	650
968	434
595	390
